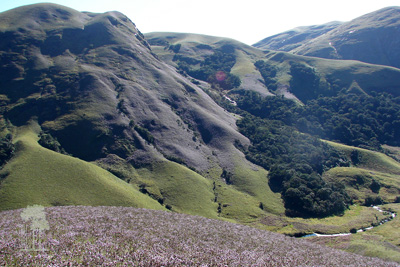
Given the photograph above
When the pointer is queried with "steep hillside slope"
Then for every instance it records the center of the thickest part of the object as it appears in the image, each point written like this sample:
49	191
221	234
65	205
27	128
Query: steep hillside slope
41	176
181	49
292	39
327	93
270	72
99	94
190	123
372	38
95	76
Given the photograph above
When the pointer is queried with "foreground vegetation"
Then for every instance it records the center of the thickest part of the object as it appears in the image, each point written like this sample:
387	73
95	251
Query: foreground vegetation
117	236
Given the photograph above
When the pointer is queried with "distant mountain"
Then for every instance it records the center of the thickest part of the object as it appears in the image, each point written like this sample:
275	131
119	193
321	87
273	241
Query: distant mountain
198	54
372	38
292	39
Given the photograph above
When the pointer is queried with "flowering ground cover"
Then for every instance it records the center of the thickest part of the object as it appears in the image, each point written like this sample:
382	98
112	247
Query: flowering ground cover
123	236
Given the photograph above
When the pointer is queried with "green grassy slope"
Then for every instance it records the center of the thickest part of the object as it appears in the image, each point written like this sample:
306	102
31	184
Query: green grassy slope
186	191
37	175
372	165
181	188
382	241
338	74
249	197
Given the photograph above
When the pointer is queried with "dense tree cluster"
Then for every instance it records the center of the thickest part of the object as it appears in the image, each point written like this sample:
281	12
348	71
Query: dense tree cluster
353	119
6	149
215	68
296	162
268	72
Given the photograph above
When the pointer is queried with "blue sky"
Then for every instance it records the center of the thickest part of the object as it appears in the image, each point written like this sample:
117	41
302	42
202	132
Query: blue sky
246	21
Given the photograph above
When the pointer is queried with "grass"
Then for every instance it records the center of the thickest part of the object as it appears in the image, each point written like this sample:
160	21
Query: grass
243	65
188	192
371	160
37	175
253	180
390	231
382	241
181	188
390	184
37	11
356	217
117	236
372	165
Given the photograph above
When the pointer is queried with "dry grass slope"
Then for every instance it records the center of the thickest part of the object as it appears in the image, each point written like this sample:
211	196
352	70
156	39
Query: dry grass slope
117	236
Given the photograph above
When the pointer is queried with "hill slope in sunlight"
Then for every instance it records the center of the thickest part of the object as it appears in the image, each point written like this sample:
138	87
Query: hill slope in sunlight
371	38
104	236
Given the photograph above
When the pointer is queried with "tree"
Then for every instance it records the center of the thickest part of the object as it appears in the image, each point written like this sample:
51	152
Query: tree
375	186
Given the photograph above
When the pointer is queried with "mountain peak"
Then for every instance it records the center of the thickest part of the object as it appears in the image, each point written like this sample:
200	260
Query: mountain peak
372	38
46	16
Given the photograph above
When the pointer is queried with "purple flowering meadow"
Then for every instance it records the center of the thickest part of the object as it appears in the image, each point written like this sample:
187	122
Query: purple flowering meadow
123	236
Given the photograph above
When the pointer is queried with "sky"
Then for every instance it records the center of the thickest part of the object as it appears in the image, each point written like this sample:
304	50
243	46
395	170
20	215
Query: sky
248	21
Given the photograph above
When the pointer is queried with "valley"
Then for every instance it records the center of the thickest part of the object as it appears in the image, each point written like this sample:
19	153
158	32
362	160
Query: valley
94	113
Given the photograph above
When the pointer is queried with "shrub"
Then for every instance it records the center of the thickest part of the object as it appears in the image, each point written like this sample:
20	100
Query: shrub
175	48
48	141
353	230
6	149
373	200
375	186
144	133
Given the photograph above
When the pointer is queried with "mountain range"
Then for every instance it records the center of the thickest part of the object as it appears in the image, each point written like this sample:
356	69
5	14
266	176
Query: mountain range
372	38
304	124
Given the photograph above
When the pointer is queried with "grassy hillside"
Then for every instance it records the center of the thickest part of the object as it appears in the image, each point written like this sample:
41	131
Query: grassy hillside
334	75
36	175
100	94
370	38
126	236
371	166
195	48
289	40
233	196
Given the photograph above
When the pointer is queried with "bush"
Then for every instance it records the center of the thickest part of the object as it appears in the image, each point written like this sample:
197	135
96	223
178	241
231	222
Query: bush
144	133
6	149
175	48
373	200
46	140
375	186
